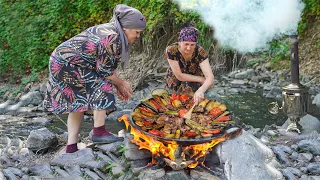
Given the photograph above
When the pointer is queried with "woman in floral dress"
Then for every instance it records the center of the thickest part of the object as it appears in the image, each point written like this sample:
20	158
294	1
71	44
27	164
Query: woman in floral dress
189	71
82	73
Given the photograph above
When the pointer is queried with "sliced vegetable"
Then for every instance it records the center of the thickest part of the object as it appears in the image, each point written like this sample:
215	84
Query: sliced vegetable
176	103
211	131
184	98
171	113
215	112
182	112
156	132
222	118
190	134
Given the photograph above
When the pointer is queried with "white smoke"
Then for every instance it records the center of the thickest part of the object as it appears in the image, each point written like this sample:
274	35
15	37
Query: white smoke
247	25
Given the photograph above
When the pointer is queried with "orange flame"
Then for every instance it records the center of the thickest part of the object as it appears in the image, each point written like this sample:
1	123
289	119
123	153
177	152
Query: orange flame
156	147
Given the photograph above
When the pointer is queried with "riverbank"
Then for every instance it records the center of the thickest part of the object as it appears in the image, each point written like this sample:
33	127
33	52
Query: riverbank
296	155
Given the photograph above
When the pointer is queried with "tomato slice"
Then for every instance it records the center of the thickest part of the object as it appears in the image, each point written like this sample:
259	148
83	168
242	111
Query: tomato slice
145	109
146	123
155	132
190	134
215	112
184	97
182	112
222	118
155	104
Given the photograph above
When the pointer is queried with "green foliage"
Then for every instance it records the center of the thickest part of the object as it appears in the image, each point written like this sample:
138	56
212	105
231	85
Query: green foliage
30	30
256	61
279	50
3	91
311	10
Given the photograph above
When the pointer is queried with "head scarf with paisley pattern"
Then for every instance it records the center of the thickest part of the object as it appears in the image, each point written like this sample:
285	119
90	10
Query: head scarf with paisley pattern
189	34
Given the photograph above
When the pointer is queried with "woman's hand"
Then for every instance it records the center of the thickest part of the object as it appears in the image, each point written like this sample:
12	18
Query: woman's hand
198	96
124	90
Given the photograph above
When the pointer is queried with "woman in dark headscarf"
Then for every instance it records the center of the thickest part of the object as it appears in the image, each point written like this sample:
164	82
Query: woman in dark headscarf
83	73
189	71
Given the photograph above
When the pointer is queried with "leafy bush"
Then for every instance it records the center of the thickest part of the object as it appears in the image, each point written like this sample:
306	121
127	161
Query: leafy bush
30	30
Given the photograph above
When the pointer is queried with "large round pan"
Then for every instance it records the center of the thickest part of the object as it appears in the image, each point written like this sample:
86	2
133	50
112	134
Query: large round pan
182	142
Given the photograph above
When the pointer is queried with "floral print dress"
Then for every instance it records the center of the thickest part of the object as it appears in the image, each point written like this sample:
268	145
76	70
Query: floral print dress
78	69
191	66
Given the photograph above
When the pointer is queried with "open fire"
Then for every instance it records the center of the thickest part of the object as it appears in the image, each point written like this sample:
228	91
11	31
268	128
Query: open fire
175	155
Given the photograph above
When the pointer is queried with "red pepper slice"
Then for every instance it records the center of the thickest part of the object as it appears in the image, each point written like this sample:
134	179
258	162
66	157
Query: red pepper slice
145	109
222	118
146	123
190	134
155	104
155	132
182	112
213	131
215	112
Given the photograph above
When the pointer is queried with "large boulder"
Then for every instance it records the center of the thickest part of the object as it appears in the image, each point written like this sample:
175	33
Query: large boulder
245	157
41	140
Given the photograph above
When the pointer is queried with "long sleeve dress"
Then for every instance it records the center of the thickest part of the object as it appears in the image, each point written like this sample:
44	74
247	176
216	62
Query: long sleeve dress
78	69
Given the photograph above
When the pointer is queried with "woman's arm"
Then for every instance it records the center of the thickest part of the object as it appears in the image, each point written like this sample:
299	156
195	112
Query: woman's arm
209	78
208	74
124	89
183	76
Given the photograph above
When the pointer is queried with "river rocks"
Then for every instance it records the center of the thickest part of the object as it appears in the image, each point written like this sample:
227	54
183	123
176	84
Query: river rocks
316	100
41	140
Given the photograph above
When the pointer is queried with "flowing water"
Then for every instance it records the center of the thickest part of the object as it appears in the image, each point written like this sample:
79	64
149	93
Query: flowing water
248	108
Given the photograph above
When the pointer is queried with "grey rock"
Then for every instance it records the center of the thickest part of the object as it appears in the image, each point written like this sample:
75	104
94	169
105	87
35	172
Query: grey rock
61	172
241	75
83	157
314	178
294	171
139	163
245	157
312	146
43	170
233	91
274	92
238	83
202	175
16	171
34	98
177	175
285	149
294	155
10	175
281	155
294	147
4	106
232	74
316	100
151	174
314	168
2	175
41	140
288	174
304	177
133	153
74	171
306	157
112	148
14	109
92	174
304	170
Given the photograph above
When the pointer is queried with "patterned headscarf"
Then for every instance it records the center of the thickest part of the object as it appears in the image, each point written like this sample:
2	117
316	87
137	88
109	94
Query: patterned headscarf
127	17
189	34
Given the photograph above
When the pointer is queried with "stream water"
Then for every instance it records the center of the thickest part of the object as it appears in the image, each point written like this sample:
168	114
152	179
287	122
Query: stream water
248	108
